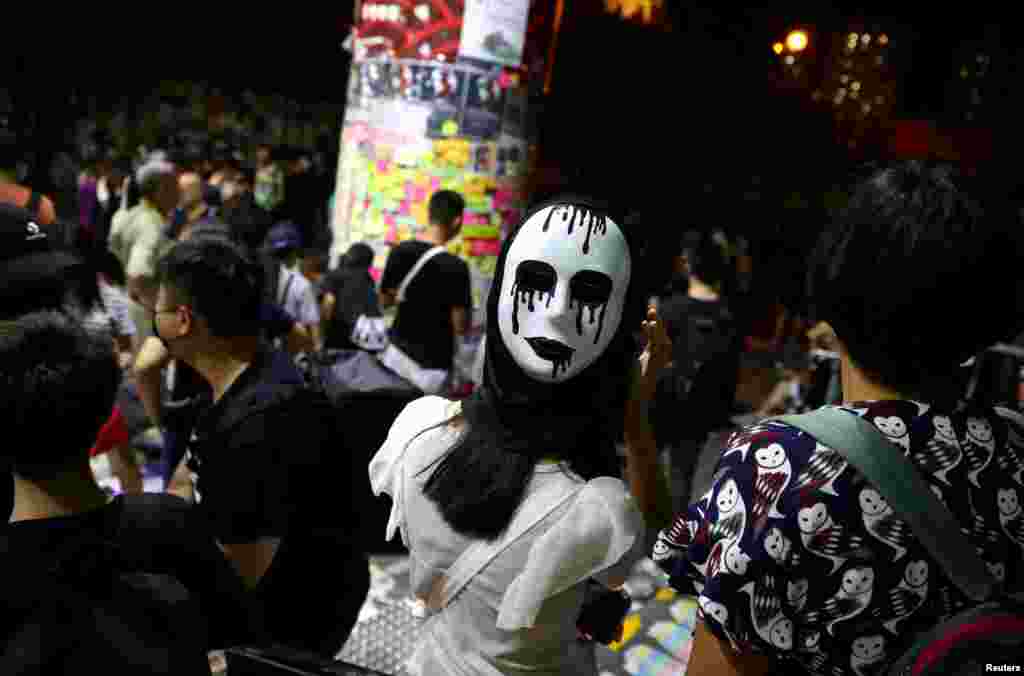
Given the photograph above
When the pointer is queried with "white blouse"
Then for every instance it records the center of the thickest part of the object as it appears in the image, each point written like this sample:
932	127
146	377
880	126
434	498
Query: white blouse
518	615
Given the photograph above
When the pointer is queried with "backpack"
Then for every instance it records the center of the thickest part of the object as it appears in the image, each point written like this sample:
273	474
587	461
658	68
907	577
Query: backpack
990	633
91	604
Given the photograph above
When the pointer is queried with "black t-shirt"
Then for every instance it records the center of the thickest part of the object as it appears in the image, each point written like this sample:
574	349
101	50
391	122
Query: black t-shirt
167	539
266	464
355	294
423	327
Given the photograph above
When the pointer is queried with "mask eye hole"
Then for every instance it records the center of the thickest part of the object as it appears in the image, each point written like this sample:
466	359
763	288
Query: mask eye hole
591	288
536	276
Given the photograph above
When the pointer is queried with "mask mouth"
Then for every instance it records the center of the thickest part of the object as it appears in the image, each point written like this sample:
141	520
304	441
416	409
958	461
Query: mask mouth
551	350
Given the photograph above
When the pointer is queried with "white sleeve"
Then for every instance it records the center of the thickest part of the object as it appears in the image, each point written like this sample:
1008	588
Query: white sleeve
601	534
386	466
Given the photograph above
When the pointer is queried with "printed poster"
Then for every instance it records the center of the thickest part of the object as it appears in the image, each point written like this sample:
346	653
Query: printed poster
495	31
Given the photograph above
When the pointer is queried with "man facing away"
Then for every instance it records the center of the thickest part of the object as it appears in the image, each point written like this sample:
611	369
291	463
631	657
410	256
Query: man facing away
436	306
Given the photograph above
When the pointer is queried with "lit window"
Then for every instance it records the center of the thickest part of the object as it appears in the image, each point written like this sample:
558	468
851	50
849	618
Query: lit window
854	37
883	39
778	47
855	86
865	39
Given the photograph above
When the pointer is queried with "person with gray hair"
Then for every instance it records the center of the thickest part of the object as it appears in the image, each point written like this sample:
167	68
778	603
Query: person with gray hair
137	235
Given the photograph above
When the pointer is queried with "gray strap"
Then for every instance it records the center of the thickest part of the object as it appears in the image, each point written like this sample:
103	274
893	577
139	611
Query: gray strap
287	287
906	491
411	275
479	555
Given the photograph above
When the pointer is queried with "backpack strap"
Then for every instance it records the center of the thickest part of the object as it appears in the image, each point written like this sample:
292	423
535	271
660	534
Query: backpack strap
902	486
287	288
411	275
272	279
479	555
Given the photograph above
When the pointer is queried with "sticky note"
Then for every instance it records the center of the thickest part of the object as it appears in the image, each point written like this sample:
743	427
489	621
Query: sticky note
484	247
482	231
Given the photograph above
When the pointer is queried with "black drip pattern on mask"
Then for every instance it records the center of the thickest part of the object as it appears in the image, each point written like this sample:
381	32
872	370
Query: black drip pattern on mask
561	365
595	222
599	309
522	295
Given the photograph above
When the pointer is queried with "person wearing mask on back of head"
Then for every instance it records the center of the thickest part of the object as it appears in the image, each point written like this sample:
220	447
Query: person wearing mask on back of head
138	235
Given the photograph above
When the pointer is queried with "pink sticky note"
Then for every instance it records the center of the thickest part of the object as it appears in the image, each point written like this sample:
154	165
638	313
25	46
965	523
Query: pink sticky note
392	234
382	166
502	199
435	184
484	247
376	274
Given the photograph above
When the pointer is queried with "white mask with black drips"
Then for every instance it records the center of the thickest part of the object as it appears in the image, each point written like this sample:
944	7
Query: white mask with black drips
563	291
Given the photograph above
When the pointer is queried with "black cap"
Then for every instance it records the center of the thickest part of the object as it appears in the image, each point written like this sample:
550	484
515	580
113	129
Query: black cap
32	270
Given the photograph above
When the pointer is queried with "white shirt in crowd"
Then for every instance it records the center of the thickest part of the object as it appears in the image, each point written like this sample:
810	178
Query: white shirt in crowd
518	615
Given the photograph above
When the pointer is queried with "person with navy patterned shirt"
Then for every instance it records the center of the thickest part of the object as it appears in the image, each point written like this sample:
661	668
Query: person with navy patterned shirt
799	564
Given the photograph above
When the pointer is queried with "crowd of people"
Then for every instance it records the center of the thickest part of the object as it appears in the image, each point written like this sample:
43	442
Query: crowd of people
189	307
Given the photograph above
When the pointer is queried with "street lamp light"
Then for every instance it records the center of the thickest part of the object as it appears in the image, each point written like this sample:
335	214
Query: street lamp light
796	41
778	47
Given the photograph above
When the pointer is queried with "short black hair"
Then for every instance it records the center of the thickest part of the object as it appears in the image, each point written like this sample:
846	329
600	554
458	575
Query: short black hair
899	269
53	370
445	207
705	258
359	255
220	283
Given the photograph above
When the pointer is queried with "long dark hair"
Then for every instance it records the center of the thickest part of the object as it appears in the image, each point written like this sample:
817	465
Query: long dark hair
513	421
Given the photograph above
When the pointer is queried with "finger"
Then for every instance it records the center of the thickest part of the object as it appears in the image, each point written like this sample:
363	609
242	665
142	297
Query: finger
652	313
